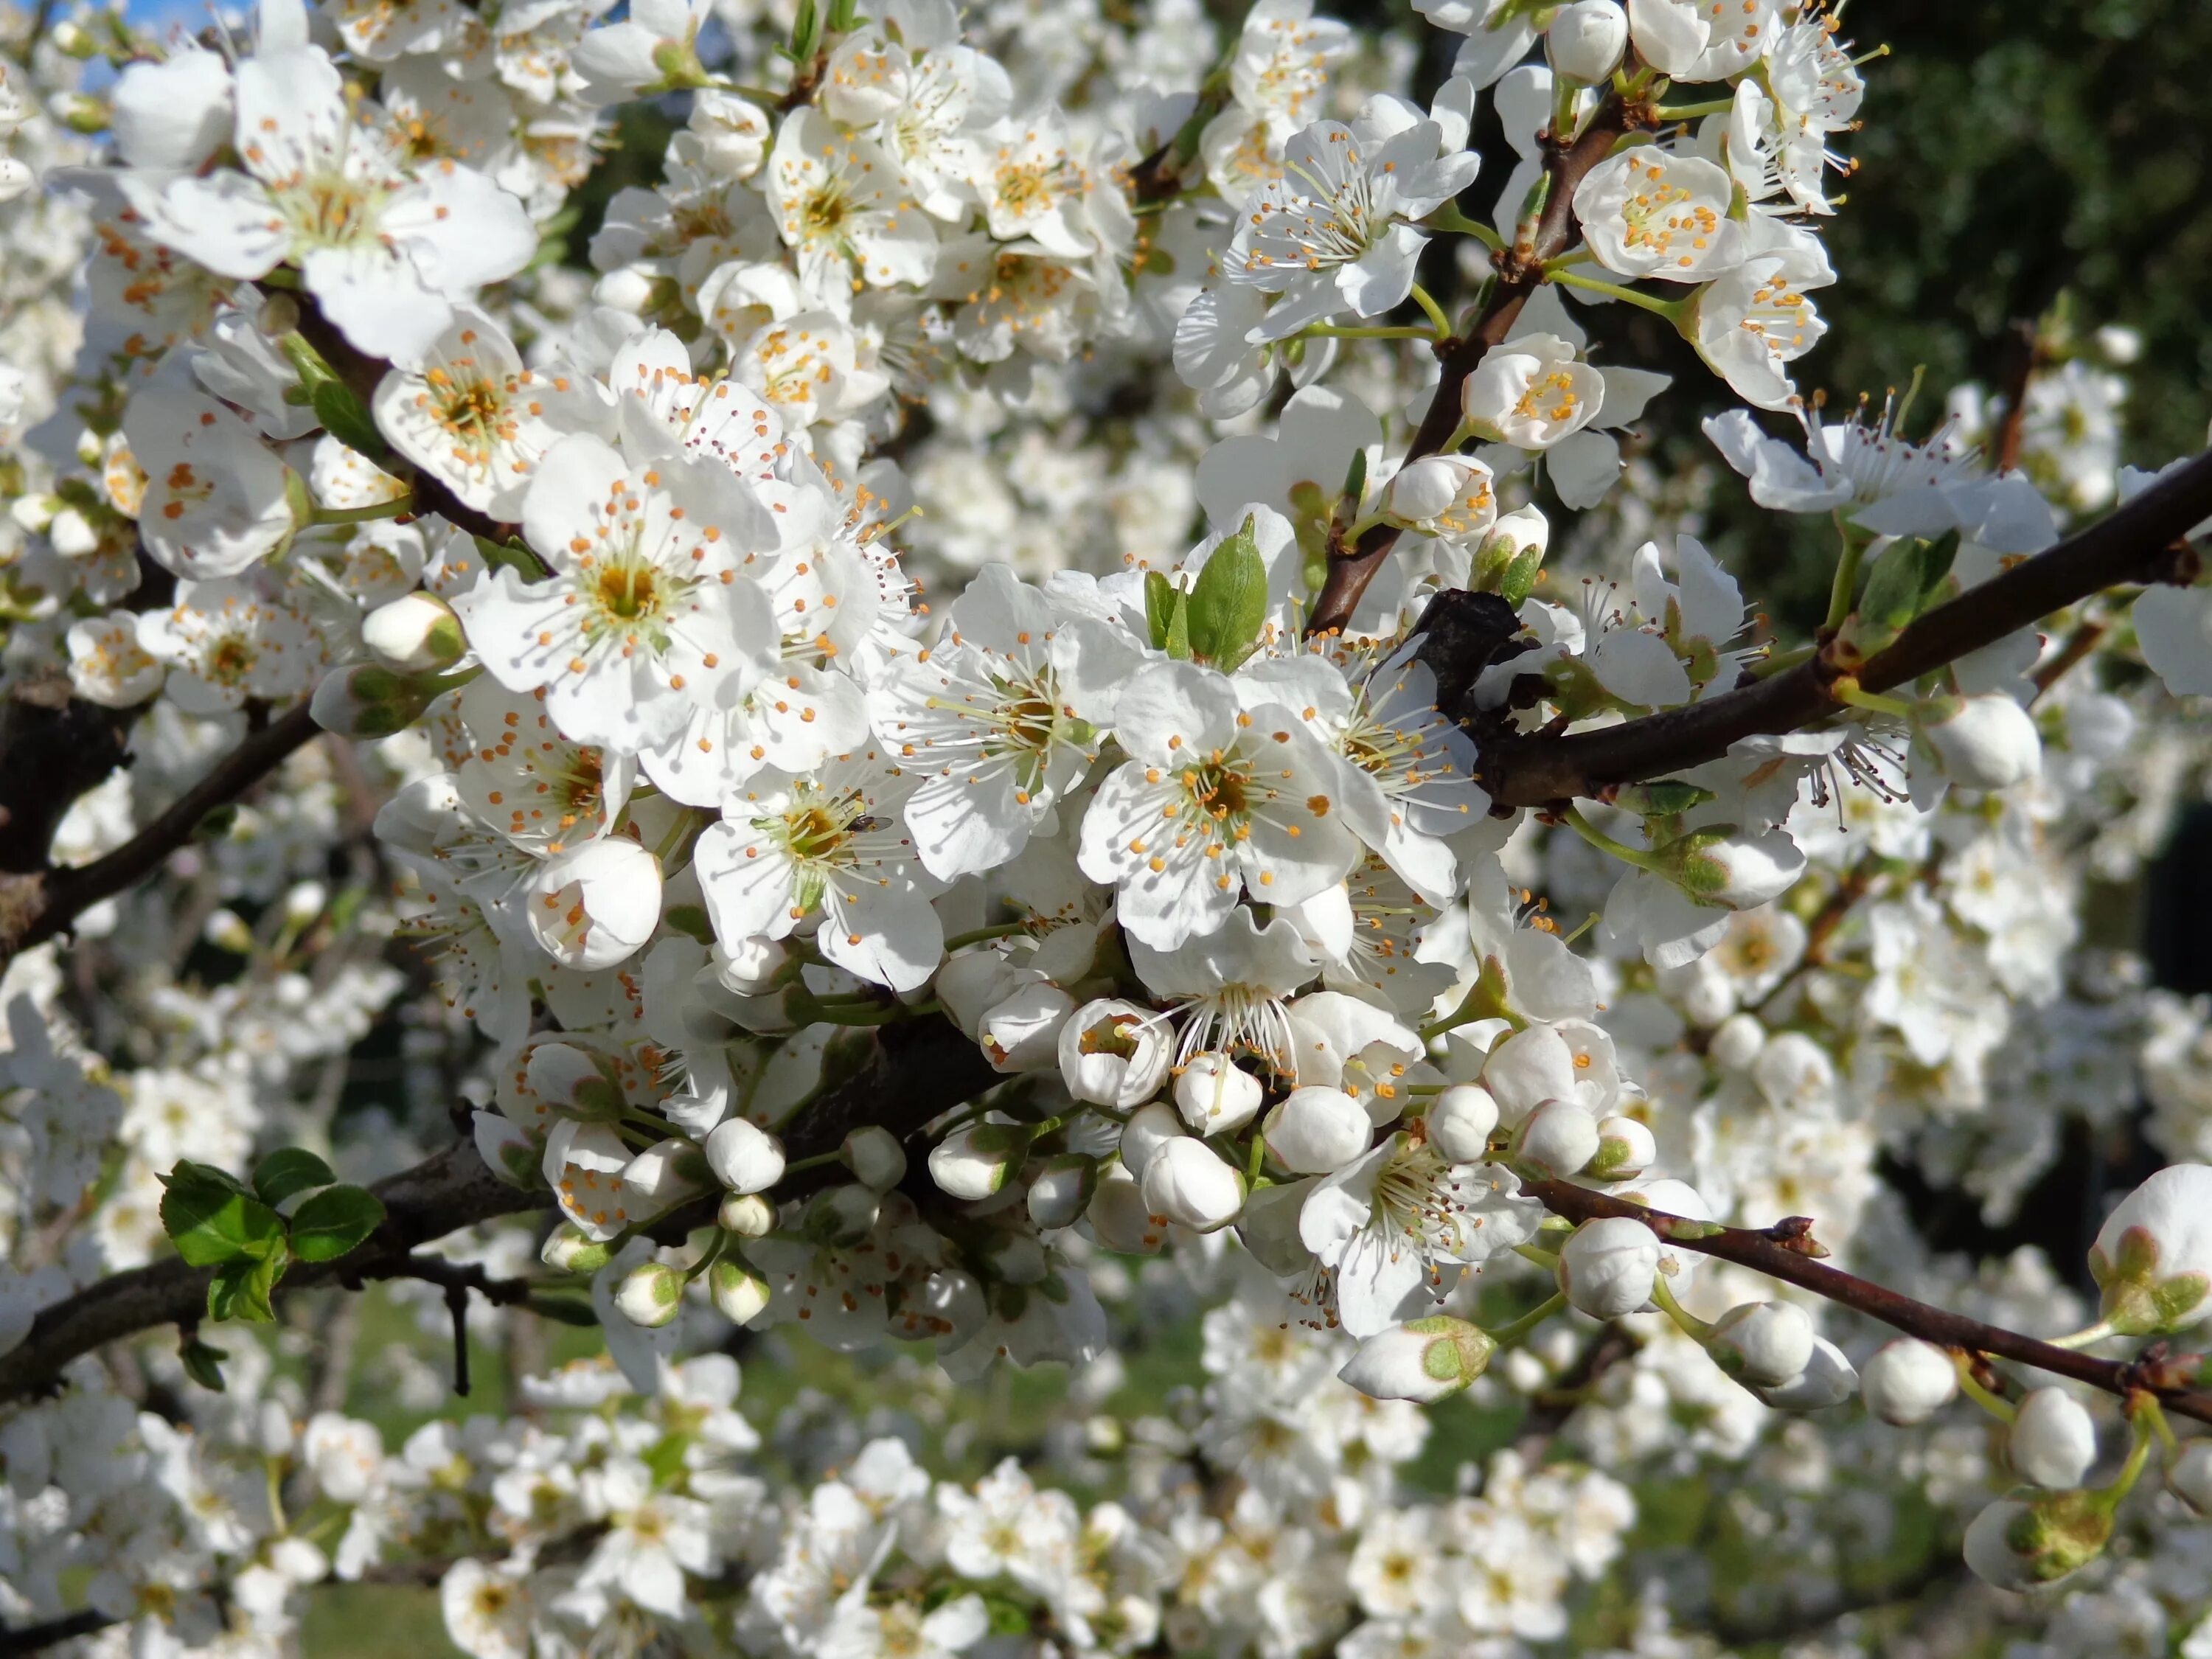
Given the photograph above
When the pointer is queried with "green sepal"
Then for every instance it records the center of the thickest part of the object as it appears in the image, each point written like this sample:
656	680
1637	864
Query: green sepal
1228	602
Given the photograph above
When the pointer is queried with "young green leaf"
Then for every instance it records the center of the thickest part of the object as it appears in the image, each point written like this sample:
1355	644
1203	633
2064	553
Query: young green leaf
211	1220
203	1362
344	419
333	1222
289	1171
1229	604
242	1289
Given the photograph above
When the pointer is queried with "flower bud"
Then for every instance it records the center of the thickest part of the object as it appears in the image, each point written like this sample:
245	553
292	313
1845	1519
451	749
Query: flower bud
744	1157
2019	1545
1556	1140
840	1215
749	967
596	905
1512	555
627	289
416	633
1527	1068
1318	1131
1672	1197
1737	1041
1766	1343
567	1249
1114	1054
2153	1257
664	1175
746	1214
739	1294
975	1161
1215	1096
1827	1379
2052	1441
874	1156
1625	1150
1022	1032
1122	1219
1908	1381
1424	1360
1607	1268
368	701
1063	1189
1459	1122
1586	40
650	1294
1985	741
1188	1184
1718	866
2191	1477
1148	1128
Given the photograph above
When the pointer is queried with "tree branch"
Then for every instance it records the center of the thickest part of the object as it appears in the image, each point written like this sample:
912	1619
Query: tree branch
1520	274
44	902
1782	1251
2134	544
914	1072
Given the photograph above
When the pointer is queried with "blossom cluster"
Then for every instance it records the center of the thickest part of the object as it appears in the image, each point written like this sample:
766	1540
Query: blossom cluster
777	649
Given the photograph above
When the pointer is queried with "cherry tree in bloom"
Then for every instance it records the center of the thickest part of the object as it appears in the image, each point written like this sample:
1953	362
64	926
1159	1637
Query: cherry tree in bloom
757	716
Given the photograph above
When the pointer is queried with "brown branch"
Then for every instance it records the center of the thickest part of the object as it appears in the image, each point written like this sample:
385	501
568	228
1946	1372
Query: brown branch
2135	542
30	1638
45	902
1782	1252
1519	274
912	1073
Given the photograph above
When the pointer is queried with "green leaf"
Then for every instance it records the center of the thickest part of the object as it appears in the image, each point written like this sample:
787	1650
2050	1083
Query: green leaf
1228	605
212	1220
1905	582
1520	578
242	1289
215	822
512	555
287	1171
1163	598
333	1222
690	919
203	1362
561	1309
344	419
805	33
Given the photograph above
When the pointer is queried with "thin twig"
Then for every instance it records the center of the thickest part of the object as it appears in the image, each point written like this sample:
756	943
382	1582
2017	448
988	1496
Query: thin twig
63	895
1519	274
1785	1251
2136	544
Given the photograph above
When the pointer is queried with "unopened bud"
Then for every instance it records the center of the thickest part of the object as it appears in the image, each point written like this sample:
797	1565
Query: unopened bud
368	700
1148	1128
744	1157
1122	1219
1460	1121
1985	741
874	1156
739	1294
416	633
746	1214
1607	1269
1908	1381
568	1250
1625	1150
974	1162
1556	1140
1763	1343
2153	1257
1317	1131
843	1214
1216	1096
2018	1545
650	1294
1718	866
1021	1033
1062	1190
1586	40
1424	1360
1186	1181
2052	1441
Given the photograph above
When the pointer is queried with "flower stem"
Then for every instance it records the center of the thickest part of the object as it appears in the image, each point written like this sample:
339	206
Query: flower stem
1686	1321
1842	590
978	935
2002	1410
1450	219
1670	309
1506	1335
1844	689
1259	1157
392	509
2088	1337
1379	331
1573	818
817	1162
1691	112
1436	311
